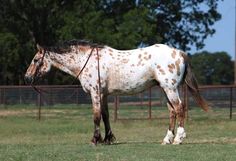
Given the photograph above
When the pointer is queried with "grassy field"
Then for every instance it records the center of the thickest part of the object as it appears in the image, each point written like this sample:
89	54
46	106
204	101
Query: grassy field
64	134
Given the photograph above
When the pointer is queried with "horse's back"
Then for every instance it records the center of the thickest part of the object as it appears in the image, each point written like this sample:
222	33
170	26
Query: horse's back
132	71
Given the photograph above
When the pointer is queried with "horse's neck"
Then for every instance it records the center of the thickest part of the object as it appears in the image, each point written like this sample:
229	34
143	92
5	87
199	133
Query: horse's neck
69	63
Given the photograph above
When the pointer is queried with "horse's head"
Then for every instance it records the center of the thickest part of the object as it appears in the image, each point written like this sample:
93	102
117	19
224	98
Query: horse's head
39	66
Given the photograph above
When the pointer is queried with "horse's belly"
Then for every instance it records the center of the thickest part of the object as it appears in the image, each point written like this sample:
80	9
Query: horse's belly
124	89
123	84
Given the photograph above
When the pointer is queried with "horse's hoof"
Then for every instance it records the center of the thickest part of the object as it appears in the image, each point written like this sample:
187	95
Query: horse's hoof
179	138
109	139
168	138
96	140
93	143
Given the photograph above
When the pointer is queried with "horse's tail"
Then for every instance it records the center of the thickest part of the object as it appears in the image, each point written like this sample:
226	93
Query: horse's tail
192	84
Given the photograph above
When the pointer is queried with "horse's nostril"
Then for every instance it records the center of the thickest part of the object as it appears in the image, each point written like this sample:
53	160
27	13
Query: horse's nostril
28	79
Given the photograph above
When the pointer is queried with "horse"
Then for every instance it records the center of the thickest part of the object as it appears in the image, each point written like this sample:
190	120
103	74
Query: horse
103	71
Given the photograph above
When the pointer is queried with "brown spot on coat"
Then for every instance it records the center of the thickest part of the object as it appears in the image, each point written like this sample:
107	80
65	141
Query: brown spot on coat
174	81
139	63
147	57
173	54
162	71
125	61
171	68
139	56
72	57
177	66
86	70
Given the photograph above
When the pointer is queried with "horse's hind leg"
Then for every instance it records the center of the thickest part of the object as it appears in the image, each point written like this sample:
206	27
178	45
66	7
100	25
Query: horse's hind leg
178	109
170	132
109	137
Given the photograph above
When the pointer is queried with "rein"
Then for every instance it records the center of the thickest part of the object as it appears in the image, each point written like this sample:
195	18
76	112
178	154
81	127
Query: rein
91	52
99	77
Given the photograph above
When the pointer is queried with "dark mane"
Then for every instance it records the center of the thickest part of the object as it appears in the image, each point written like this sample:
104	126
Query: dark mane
66	46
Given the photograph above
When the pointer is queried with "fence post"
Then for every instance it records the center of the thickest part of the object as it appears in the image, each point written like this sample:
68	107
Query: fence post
39	104
150	104
231	104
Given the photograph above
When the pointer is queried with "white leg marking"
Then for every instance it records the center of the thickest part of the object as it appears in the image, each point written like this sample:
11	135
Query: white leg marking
179	136
168	138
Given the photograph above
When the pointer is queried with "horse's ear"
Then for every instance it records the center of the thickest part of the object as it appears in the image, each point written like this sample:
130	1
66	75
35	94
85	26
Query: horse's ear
40	48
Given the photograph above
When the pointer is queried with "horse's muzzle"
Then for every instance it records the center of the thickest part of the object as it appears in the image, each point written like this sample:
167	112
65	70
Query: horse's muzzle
28	79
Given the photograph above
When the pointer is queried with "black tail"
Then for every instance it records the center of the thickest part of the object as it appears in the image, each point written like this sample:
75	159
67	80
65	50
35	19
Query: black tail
192	84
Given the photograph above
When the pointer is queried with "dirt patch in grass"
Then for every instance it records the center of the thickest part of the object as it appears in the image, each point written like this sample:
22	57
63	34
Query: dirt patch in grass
4	113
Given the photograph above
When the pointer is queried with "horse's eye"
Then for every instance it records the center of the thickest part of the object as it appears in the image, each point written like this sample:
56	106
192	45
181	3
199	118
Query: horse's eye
36	60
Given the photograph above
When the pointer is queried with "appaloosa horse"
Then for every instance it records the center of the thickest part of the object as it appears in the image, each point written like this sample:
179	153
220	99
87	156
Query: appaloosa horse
103	70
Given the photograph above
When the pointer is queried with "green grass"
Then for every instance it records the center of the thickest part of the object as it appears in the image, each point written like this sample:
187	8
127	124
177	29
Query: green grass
64	134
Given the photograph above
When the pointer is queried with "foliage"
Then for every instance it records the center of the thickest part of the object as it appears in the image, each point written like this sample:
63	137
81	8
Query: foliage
213	68
9	48
121	24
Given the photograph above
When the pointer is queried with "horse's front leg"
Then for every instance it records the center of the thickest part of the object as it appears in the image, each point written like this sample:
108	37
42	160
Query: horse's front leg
97	138
109	137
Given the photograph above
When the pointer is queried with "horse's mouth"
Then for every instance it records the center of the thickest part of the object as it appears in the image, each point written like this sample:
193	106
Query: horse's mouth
29	80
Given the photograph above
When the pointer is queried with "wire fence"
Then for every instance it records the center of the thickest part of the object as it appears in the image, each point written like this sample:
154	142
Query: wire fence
145	105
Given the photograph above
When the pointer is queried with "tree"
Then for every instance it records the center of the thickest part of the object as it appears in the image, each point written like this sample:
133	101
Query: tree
9	60
213	68
122	24
179	23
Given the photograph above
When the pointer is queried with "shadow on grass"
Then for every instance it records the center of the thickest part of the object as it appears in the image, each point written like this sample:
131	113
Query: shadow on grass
205	142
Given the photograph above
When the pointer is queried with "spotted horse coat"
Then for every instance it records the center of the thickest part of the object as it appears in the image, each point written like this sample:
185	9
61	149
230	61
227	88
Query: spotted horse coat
122	72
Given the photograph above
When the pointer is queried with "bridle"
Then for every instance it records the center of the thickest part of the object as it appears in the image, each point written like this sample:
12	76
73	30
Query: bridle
36	73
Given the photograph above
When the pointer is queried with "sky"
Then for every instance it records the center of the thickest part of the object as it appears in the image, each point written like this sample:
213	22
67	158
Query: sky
224	38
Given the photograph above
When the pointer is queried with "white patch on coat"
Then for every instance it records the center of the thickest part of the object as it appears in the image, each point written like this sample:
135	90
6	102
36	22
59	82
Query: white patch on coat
168	138
180	135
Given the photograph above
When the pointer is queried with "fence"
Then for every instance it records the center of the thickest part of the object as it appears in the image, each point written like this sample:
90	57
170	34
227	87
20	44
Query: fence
220	96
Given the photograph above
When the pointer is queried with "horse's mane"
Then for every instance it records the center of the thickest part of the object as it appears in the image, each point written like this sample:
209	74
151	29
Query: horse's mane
66	46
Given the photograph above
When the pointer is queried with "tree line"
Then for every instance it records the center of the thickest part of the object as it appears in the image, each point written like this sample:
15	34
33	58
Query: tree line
122	24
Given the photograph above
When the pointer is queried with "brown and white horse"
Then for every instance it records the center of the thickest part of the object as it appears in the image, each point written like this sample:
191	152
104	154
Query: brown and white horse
103	70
